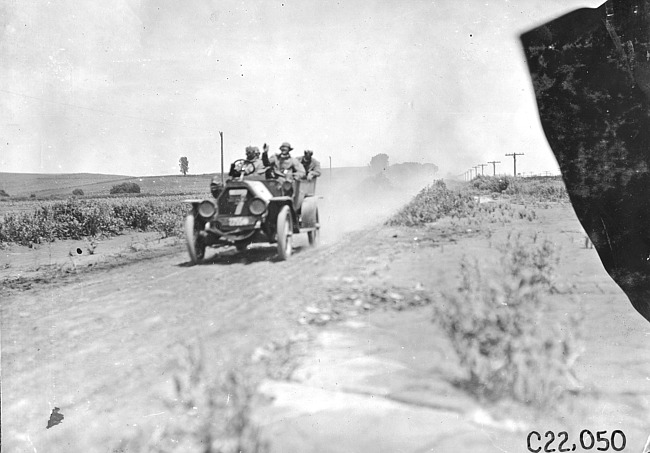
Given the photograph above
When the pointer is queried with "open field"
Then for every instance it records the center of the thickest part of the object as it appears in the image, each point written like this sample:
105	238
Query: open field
23	185
146	353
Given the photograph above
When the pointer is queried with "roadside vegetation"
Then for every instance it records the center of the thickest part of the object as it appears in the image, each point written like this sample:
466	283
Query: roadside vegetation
536	189
467	206
461	208
500	327
497	319
79	218
208	414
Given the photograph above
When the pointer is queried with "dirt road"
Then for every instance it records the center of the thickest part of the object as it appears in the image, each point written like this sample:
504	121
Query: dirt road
102	346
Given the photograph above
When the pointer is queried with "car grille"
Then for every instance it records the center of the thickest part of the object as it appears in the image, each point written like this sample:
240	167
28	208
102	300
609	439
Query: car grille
234	201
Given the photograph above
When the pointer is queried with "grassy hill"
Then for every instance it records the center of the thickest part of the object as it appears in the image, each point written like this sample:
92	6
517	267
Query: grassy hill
46	185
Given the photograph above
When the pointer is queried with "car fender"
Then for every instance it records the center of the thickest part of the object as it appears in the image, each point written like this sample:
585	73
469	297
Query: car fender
275	204
309	213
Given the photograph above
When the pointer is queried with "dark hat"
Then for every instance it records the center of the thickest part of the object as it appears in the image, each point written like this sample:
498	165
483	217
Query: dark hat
286	145
309	152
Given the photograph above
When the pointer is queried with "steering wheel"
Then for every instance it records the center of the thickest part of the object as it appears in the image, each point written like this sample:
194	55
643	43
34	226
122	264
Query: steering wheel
246	167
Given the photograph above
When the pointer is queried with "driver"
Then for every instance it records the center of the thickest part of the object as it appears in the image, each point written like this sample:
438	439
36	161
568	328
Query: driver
283	165
252	156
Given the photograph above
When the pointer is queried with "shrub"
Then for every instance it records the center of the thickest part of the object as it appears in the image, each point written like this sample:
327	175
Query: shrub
74	219
78	192
3	193
432	203
491	183
125	187
502	332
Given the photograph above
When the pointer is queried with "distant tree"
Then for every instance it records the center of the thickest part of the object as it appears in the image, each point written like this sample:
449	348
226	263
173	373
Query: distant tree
379	163
77	192
184	164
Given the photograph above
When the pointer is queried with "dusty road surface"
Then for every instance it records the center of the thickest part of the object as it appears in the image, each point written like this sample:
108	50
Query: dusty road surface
102	346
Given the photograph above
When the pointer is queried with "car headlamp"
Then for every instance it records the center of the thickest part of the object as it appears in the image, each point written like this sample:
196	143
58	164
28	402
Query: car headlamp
256	206
207	209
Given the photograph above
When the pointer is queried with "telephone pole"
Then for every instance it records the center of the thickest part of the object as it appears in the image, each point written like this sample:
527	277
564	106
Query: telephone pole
494	166
221	135
330	169
482	165
514	159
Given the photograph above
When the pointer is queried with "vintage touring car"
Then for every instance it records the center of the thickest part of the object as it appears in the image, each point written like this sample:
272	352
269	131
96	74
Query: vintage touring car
251	209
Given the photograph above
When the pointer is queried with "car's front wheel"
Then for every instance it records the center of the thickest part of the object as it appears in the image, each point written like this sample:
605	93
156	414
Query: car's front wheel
284	228
195	244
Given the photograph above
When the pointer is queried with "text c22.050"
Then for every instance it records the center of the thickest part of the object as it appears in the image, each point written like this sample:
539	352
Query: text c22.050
587	440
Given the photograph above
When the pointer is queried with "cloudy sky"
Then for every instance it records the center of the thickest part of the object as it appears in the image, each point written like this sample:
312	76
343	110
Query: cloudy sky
129	86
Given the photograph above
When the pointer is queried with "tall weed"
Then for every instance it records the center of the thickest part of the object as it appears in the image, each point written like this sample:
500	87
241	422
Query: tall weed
209	414
502	332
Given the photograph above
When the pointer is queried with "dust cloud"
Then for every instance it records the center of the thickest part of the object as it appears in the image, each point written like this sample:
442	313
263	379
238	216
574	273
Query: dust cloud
353	199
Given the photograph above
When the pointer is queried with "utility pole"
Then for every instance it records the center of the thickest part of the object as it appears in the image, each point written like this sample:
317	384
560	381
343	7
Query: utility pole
221	135
514	158
482	165
330	170
476	170
494	166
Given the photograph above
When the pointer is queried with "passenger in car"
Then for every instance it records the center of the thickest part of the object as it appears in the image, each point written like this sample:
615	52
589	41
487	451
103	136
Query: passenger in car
282	165
311	165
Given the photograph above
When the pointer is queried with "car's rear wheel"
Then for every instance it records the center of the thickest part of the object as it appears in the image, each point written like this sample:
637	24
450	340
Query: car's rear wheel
195	244
314	234
284	228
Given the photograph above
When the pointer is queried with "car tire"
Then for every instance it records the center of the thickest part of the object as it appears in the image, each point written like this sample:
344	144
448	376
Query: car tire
195	245
284	229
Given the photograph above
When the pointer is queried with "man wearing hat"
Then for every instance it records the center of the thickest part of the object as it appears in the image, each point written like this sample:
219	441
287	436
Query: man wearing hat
311	165
253	156
283	164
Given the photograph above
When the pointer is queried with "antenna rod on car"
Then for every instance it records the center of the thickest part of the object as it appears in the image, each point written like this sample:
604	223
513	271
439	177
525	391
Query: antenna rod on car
221	135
